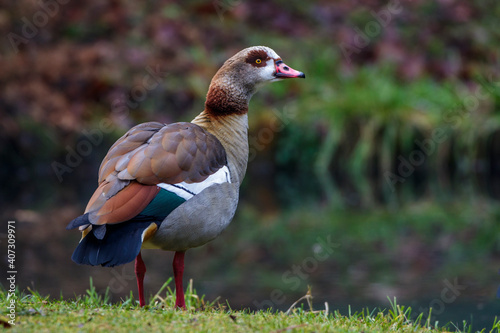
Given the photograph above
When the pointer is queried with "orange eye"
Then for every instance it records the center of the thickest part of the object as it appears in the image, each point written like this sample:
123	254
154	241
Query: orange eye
258	61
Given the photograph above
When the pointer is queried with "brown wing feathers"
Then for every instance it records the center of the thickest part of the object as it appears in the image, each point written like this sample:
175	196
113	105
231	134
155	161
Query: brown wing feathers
133	139
147	155
126	204
170	155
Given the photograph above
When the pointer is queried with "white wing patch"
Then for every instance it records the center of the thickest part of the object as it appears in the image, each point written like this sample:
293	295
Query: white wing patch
187	191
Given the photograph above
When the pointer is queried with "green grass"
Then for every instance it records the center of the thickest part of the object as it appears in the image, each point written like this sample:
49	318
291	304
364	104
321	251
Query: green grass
93	312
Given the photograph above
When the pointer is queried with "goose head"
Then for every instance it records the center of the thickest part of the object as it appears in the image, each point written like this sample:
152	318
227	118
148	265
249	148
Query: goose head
240	77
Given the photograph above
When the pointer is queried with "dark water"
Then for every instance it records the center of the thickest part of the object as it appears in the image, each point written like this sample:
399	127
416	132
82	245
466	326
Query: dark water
355	243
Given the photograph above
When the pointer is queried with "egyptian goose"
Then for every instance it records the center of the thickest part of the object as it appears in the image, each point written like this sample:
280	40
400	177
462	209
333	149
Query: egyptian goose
175	187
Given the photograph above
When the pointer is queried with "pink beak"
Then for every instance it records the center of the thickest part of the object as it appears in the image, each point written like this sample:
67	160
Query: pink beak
283	71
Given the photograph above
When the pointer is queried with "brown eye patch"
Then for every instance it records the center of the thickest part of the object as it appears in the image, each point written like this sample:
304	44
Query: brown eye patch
257	54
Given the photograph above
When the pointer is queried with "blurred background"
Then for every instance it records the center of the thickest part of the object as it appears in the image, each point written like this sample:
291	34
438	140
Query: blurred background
377	176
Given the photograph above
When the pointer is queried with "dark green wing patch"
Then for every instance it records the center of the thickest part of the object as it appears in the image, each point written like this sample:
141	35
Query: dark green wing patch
163	204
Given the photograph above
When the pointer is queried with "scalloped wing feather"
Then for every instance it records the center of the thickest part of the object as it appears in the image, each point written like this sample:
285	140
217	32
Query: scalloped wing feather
149	154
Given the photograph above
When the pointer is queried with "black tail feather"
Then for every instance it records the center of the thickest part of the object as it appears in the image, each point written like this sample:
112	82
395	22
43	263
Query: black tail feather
120	245
79	221
99	231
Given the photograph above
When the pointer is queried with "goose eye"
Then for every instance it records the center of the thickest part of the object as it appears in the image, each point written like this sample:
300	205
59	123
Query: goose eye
258	61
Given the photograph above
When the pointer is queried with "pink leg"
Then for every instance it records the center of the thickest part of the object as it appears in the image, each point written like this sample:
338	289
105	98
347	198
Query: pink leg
140	270
178	272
